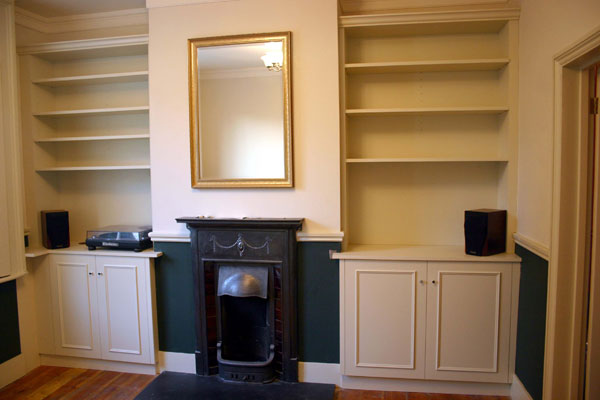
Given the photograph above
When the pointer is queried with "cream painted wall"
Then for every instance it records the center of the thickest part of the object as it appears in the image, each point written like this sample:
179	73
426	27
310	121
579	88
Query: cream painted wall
546	28
316	195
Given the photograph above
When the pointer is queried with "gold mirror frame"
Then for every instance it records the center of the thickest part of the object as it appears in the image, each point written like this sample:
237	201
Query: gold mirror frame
195	153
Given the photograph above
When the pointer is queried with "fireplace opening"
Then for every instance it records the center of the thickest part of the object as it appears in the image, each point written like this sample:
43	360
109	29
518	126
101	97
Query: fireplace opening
245	346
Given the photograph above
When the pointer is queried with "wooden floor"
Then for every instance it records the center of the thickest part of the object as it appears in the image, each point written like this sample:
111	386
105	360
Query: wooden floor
74	383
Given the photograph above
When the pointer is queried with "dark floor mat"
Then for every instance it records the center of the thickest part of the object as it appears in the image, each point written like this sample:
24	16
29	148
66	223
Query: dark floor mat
172	385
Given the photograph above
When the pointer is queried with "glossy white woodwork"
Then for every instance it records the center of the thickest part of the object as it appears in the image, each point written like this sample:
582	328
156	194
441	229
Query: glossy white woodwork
384	323
428	319
428	127
5	267
468	321
75	306
84	107
123	308
101	306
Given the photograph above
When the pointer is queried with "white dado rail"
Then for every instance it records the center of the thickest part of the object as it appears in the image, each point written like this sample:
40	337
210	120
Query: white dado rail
184	237
532	245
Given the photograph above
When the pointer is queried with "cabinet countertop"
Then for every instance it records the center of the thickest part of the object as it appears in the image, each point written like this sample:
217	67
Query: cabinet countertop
418	253
80	249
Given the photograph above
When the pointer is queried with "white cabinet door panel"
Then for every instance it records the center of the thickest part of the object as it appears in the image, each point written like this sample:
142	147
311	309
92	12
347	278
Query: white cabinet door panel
74	303
384	319
468	321
123	309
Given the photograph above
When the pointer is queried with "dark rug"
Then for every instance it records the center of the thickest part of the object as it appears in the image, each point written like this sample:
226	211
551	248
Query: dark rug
173	385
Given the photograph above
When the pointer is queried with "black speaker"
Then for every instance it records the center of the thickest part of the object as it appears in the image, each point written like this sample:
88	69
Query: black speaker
55	229
485	232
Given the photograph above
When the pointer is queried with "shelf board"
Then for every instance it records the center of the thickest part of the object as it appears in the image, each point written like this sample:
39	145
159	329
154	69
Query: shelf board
423	160
418	253
427	111
427	66
376	25
80	249
90	138
88	48
94	168
123	77
92	112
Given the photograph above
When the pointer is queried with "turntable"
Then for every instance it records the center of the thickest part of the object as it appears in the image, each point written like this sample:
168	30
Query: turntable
122	237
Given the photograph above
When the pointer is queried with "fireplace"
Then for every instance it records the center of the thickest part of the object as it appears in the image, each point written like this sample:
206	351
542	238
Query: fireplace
245	297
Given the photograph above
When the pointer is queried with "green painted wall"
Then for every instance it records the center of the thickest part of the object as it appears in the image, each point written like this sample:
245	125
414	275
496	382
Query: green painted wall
175	298
531	327
10	343
318	300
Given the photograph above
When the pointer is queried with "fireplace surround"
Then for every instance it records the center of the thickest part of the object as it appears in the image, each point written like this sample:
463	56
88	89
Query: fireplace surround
245	297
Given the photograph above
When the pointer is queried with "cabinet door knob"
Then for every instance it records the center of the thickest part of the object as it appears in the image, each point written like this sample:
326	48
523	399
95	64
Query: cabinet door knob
100	274
434	281
90	273
422	282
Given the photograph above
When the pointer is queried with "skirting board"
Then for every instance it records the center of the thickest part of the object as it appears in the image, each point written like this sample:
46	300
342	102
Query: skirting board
87	363
176	362
12	370
518	391
307	372
423	386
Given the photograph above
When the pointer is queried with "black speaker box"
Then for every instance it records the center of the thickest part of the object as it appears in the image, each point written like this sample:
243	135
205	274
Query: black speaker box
485	232
55	229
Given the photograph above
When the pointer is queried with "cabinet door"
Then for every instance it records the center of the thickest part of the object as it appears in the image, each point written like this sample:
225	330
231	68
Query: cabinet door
468	321
122	306
383	309
74	306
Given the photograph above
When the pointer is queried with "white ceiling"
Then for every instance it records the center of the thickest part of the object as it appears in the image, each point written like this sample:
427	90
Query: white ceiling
60	8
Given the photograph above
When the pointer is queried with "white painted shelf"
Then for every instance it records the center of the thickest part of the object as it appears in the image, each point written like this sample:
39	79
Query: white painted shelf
427	110
81	249
91	138
422	160
417	253
94	168
88	48
427	66
94	111
82	80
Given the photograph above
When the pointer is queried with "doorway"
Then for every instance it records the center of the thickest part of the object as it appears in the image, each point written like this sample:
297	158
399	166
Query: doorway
589	383
569	275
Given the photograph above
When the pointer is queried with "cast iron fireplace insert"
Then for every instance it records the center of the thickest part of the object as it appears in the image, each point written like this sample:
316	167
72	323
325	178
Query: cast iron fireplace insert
245	297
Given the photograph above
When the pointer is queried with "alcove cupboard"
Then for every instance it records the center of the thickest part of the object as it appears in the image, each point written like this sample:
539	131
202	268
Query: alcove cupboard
85	129
429	130
97	305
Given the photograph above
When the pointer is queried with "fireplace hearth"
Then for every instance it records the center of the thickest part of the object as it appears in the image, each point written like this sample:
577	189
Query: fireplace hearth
245	295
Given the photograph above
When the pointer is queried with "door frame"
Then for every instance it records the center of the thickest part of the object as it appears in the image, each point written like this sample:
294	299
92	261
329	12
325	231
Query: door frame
566	273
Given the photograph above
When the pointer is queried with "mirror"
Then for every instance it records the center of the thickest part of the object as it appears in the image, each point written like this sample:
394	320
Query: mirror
240	111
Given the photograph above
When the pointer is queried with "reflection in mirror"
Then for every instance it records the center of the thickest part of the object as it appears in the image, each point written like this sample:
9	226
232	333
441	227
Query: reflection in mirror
240	111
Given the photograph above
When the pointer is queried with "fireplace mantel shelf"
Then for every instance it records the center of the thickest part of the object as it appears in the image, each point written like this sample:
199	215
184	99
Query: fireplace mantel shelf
264	223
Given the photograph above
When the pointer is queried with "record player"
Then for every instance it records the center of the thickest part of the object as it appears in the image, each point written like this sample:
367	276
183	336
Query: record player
122	237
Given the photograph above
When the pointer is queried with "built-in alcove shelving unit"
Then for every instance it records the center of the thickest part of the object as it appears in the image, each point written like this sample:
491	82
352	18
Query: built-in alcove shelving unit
429	127
86	131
